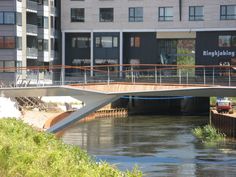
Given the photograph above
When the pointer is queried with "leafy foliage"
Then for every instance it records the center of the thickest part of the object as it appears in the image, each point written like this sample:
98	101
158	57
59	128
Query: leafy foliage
208	134
27	152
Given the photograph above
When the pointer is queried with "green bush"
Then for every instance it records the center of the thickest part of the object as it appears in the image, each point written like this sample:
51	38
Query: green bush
27	152
208	134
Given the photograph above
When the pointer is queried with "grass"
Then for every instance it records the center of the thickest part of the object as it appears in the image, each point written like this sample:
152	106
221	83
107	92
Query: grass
29	153
208	134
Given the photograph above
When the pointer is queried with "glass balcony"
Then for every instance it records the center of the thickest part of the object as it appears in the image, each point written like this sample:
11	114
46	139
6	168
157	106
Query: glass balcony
32	29
32	53
32	6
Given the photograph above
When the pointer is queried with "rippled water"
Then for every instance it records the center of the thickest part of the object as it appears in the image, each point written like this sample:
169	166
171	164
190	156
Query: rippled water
159	145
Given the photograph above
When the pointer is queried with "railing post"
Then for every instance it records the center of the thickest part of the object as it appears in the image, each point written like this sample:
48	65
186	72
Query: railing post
108	75
85	77
132	74
204	75
187	78
155	74
160	77
180	76
229	77
213	76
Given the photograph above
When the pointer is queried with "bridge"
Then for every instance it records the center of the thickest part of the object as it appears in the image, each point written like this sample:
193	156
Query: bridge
104	84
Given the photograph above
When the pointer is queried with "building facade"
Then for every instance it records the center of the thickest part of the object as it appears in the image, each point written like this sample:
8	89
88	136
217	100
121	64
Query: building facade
28	37
148	32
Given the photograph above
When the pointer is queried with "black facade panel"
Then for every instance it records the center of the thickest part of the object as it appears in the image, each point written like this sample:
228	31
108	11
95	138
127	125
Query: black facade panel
106	53
147	52
75	53
209	51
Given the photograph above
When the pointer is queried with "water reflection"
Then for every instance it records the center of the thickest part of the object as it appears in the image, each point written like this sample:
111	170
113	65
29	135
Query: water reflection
161	146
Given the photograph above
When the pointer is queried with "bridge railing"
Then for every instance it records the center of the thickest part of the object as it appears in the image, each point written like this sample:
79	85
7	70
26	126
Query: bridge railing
136	73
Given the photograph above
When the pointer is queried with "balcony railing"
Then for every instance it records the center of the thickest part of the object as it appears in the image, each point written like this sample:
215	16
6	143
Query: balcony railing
54	54
32	53
32	5
33	29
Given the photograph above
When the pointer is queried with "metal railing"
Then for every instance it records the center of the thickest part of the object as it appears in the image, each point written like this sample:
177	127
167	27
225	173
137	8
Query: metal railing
134	74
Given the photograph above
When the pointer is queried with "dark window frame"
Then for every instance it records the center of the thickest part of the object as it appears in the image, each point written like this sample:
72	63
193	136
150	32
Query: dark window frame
133	17
4	23
4	43
195	17
99	45
164	17
76	17
224	13
101	19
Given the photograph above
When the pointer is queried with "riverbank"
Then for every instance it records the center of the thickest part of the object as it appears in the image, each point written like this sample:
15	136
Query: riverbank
27	152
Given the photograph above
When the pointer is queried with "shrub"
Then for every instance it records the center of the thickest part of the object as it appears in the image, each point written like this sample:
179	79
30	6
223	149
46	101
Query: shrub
27	152
208	134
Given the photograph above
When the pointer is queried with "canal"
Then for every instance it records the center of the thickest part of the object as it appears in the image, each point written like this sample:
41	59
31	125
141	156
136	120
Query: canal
159	145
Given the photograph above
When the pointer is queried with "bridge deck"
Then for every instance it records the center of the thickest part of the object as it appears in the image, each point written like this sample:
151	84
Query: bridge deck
129	87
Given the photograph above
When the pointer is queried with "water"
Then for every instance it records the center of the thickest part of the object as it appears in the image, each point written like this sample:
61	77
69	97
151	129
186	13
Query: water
159	145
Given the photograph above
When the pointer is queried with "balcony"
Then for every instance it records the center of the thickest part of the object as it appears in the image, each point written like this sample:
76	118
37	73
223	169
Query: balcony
32	30
54	11
32	6
54	55
32	53
54	33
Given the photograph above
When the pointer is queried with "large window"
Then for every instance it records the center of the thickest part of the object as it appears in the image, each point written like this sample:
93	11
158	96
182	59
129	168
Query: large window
227	41
106	41
135	41
165	14
228	12
77	15
80	42
135	14
7	66
106	15
7	18
7	42
195	13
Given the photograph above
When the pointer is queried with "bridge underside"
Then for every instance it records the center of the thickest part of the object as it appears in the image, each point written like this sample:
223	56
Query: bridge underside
96	96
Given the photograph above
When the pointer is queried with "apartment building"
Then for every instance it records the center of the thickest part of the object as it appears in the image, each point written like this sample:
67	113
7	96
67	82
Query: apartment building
154	32
28	37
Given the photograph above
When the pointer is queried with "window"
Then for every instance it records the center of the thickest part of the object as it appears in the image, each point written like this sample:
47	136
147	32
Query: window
19	19
80	42
1	18
6	65
9	66
227	41
224	41
45	45
135	41
1	66
19	43
1	42
7	18
106	41
135	14
106	15
228	12
40	44
233	41
45	22
195	13
7	42
165	13
77	15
